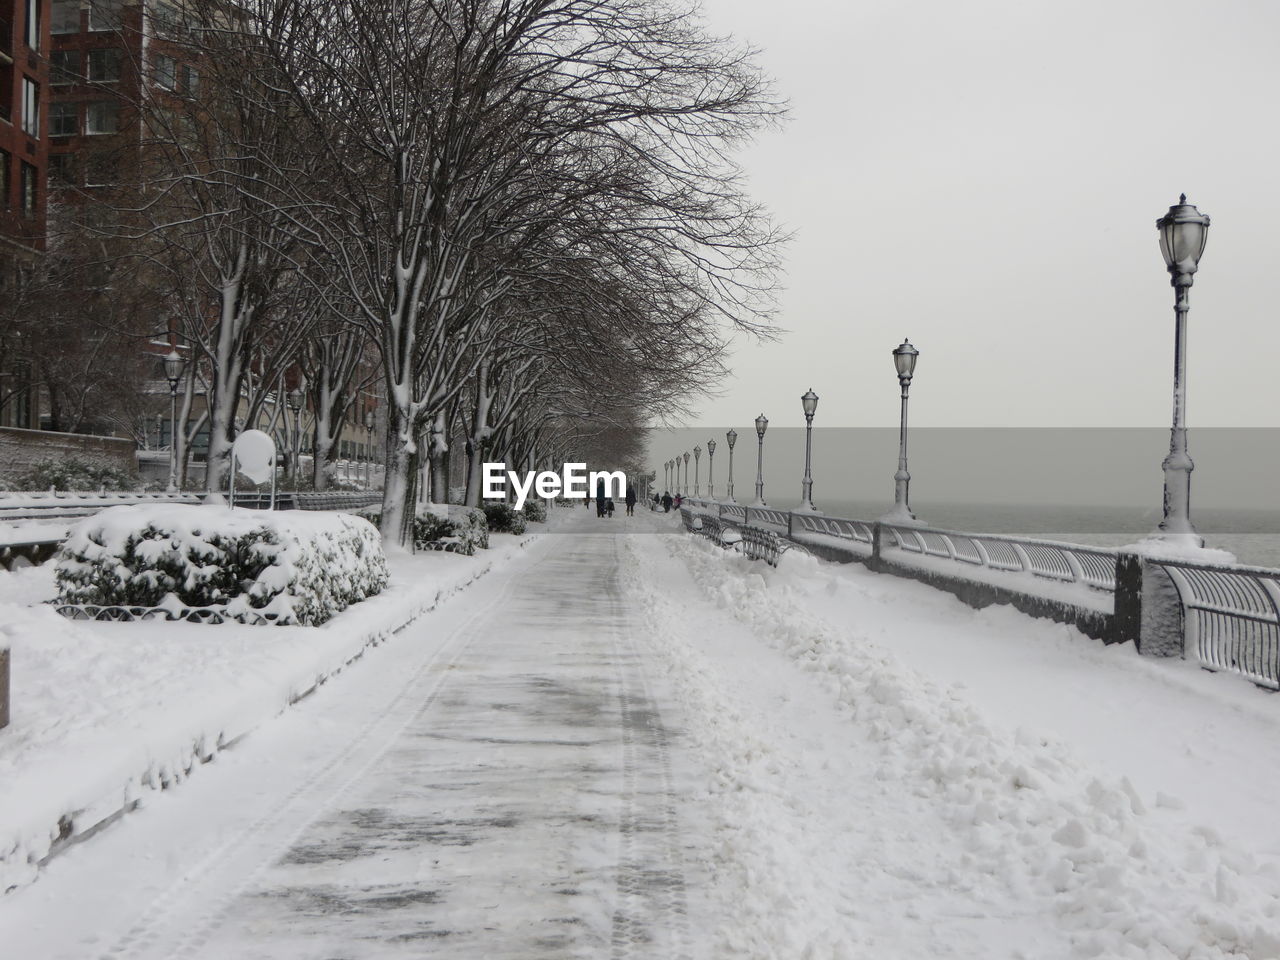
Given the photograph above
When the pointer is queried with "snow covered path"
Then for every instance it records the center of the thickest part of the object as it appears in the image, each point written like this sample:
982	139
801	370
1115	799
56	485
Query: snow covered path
497	783
644	747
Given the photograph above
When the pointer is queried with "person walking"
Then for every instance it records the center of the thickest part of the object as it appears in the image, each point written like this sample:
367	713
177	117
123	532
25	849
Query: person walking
600	498
631	500
666	501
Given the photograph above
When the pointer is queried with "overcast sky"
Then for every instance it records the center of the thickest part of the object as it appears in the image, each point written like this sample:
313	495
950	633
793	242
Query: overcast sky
984	177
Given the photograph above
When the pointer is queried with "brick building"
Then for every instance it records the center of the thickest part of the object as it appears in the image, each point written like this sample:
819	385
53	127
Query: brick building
24	93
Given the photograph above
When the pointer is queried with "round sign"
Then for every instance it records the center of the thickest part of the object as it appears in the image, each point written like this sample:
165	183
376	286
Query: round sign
254	454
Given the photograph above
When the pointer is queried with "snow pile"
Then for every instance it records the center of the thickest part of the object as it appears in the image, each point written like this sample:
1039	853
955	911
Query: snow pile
1162	548
292	567
1037	827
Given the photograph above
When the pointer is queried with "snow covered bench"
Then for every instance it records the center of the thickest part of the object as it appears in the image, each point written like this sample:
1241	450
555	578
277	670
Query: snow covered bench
210	564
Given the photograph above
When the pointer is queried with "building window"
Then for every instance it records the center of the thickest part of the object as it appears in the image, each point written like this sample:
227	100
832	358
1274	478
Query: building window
167	21
6	91
6	180
31	107
28	190
66	16
102	116
166	71
62	168
104	66
191	81
63	120
66	67
104	14
33	24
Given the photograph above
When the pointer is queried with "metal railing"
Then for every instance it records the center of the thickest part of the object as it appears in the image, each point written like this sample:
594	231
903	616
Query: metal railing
1094	567
1230	614
1230	617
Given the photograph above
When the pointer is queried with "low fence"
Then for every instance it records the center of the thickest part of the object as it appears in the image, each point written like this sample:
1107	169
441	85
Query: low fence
1226	616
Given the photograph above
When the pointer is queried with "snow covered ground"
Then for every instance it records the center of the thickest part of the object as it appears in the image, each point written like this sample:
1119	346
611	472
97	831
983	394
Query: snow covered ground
103	712
642	746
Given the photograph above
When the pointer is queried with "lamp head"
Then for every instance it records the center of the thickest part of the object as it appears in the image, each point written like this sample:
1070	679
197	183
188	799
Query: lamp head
173	366
762	424
904	359
1183	233
732	437
711	448
810	402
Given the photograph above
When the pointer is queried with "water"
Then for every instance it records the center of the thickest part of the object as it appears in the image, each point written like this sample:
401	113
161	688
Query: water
1253	535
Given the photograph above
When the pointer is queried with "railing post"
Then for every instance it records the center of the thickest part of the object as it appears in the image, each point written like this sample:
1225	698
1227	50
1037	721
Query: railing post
789	516
1148	608
877	531
4	687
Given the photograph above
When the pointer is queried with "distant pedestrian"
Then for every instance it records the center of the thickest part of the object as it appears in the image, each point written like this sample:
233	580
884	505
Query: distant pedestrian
666	501
600	498
608	508
631	500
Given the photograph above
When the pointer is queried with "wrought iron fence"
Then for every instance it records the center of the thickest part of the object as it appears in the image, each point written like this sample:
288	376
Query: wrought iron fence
1230	617
1094	567
129	614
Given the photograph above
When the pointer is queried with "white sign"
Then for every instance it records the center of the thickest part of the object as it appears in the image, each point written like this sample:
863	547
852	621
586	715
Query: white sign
254	454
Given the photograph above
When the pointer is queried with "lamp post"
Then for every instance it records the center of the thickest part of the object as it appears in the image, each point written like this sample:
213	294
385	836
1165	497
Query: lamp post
904	360
810	403
368	466
711	469
697	457
731	437
173	367
686	473
294	399
762	424
1183	232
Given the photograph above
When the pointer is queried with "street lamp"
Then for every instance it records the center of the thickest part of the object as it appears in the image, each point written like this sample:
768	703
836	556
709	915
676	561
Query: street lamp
731	437
294	399
762	424
173	367
697	456
711	469
904	360
686	473
810	404
1183	233
368	467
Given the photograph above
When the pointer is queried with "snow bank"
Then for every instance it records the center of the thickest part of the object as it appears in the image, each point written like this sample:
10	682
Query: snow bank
288	566
1040	831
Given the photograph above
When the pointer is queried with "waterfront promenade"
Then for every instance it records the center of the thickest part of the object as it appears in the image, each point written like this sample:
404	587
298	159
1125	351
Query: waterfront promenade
627	742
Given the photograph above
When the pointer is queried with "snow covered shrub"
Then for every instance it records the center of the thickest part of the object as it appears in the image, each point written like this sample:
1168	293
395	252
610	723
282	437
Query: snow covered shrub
471	527
535	511
74	473
300	567
465	527
503	517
